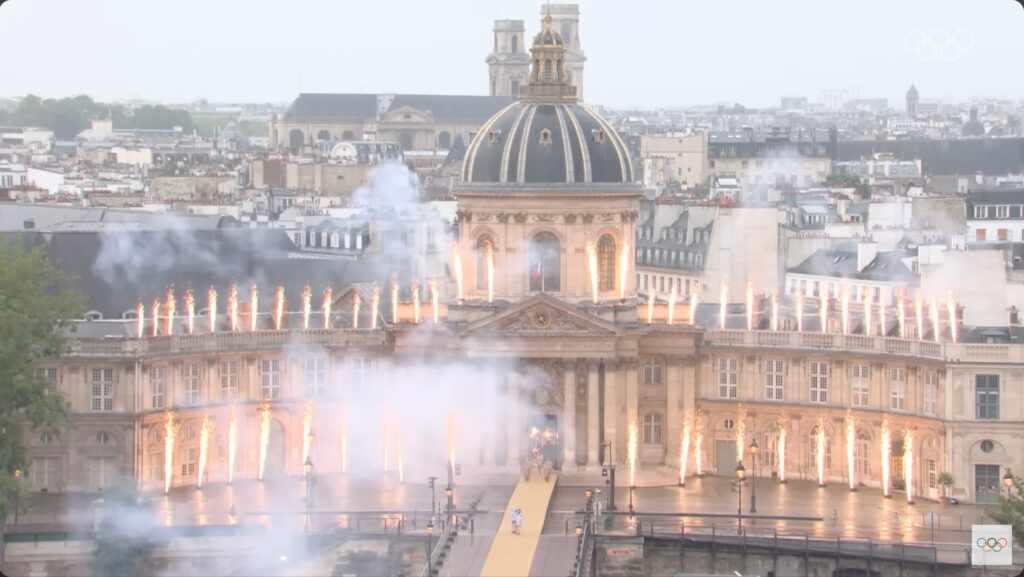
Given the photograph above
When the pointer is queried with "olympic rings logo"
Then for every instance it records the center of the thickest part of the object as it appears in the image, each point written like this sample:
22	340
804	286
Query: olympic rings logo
991	545
935	44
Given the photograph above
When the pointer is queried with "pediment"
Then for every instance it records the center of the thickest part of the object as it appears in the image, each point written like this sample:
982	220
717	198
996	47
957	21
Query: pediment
542	315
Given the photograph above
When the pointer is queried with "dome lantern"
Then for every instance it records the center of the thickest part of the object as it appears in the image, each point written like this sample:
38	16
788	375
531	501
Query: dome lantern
548	80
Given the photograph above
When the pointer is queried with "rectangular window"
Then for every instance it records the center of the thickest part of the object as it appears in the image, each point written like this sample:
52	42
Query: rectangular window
897	389
980	212
156	466
102	389
986	402
316	377
652	372
931	388
158	386
773	380
933	477
271	374
44	472
229	381
188	468
49	376
859	381
1002	212
728	378
979	235
190	379
1003	234
361	370
819	382
102	471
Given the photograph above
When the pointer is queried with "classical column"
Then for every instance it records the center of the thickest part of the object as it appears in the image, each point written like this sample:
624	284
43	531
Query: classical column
610	406
569	416
592	414
673	410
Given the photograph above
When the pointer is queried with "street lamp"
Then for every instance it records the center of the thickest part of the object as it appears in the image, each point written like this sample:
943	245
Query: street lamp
740	471
308	469
450	505
1008	481
753	477
430	532
433	495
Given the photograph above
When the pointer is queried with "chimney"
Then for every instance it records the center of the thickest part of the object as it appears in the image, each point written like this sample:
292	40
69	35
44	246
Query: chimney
866	252
748	133
1014	322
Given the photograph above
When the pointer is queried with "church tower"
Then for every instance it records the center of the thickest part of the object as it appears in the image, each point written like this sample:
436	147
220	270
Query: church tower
508	64
565	19
912	99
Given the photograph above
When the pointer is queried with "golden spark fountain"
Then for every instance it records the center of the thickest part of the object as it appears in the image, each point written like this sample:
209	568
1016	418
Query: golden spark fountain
190	311
435	297
851	443
325	306
307	428
632	450
886	457
823	309
741	433
936	329
693	307
951	312
355	311
211	308
232	441
140	318
750	306
672	301
233	307
624	270
489	265
820	440
684	450
867	313
374	306
278	308
169	435
396	434
919	313
264	436
697	443
204	448
307	306
782	453
844	307
798	301
908	465
457	268
416	302
901	312
775	310
650	306
723	295
592	262
156	317
394	299
171	306
450	427
254	307
883	324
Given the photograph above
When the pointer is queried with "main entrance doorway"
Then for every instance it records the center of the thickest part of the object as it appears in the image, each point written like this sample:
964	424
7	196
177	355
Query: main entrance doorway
543	434
725	457
986	483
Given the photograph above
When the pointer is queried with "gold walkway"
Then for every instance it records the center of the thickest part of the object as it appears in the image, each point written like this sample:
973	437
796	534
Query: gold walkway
512	555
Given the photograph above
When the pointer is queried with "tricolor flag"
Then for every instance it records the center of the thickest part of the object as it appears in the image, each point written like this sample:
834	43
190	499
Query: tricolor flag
540	268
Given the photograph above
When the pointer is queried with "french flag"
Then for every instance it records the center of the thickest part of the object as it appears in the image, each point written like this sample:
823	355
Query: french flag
540	267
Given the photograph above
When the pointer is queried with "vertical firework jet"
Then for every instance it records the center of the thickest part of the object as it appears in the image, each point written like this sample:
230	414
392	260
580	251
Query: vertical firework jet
457	268
211	308
867	313
171	306
264	436
684	450
624	270
326	307
592	265
798	302
279	308
169	435
232	441
450	420
394	299
374	306
775	310
886	440
750	306
823	309
650	306
908	464
204	448
254	307
307	429
951	311
820	445
782	453
233	307
919	313
140	318
633	440
355	309
723	294
901	312
741	432
672	301
416	301
307	305
190	311
156	317
399	464
693	307
883	324
434	298
698	442
851	443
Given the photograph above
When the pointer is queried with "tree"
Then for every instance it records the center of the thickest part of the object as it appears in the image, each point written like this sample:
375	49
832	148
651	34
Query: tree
36	306
945	480
1011	509
125	535
849	181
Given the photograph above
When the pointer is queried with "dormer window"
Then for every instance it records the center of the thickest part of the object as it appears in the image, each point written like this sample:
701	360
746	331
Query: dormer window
598	136
93	316
493	137
545	136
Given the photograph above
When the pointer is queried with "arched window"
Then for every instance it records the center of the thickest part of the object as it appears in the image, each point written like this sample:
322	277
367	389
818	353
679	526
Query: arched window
653	429
323	135
547	70
606	263
484	244
515	43
102	438
545	263
444	141
347	135
295	139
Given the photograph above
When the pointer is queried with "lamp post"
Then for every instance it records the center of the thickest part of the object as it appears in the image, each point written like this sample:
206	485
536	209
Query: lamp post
609	471
308	468
430	532
17	475
1008	482
450	505
740	471
753	475
433	495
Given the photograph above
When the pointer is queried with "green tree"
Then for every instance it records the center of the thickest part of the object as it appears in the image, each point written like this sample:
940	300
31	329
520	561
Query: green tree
125	536
1011	509
849	181
945	480
36	304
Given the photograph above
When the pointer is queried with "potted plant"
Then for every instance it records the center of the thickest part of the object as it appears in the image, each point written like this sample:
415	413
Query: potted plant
945	480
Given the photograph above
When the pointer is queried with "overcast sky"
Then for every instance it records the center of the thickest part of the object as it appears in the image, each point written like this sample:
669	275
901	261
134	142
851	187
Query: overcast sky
641	53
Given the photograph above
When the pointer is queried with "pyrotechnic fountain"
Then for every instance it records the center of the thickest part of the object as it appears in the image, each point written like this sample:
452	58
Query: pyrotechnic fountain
775	310
450	427
823	309
278	308
632	450
919	313
374	306
204	448
844	308
908	465
624	261
355	309
394	299
307	428
398	452
820	442
750	306
489	264
650	306
901	313
672	301
326	306
190	311
697	443
457	268
723	297
233	307
211	308
171	306
592	263
264	436
416	301
434	298
254	307
168	450
684	450
886	457
140	318
883	324
851	443
867	313
741	432
232	441
307	306
798	302
782	453
693	307
934	310
951	311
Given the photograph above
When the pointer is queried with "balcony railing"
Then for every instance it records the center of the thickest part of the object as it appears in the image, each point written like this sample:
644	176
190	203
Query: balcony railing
225	341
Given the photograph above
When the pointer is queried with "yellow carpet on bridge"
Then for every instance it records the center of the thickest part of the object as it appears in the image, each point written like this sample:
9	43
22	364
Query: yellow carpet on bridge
512	555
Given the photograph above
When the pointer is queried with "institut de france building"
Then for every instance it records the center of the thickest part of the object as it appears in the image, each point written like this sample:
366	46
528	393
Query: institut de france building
543	287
